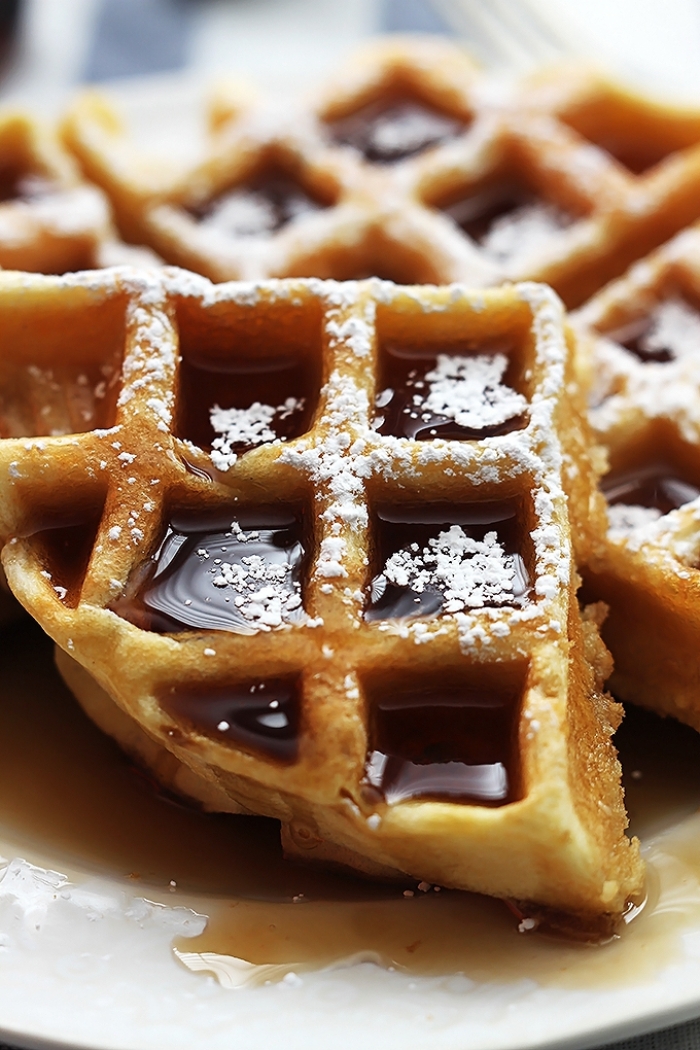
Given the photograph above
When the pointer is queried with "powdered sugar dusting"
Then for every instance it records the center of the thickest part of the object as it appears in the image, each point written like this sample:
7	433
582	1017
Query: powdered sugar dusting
243	428
523	231
675	326
469	573
470	391
624	519
265	594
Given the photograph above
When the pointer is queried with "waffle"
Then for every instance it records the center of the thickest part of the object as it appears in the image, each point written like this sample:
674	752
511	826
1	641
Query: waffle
411	166
640	361
266	576
50	220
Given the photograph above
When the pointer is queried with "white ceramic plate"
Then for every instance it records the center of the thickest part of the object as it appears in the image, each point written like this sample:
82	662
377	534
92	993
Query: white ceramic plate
88	915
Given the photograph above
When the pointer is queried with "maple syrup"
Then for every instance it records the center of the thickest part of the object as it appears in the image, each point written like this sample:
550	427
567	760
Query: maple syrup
409	527
633	339
389	130
407	378
239	381
262	715
208	565
476	212
64	541
669	331
260	206
69	798
450	740
658	485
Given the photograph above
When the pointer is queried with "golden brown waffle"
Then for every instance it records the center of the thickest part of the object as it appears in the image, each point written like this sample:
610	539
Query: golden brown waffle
412	166
640	360
50	220
371	636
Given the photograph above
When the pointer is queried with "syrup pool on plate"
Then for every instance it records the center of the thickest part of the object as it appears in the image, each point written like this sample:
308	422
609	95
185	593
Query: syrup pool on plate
70	800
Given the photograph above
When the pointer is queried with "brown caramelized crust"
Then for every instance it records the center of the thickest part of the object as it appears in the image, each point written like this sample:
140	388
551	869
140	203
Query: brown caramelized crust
373	638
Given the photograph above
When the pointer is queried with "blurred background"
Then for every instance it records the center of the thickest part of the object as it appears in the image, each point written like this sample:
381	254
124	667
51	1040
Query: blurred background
50	47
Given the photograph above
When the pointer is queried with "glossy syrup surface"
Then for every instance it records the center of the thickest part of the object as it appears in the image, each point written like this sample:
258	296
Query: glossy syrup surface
259	207
434	558
508	219
448	741
64	542
238	570
236	402
454	392
658	486
262	715
476	212
389	130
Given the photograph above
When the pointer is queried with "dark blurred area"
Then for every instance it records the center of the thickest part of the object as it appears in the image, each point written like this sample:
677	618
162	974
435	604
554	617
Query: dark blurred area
9	25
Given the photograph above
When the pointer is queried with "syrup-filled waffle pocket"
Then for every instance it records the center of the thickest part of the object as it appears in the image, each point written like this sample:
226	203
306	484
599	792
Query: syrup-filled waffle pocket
315	542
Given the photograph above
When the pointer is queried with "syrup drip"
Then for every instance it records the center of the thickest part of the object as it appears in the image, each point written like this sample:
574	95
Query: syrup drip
241	383
184	585
261	715
64	543
444	742
399	528
260	206
401	408
659	486
387	132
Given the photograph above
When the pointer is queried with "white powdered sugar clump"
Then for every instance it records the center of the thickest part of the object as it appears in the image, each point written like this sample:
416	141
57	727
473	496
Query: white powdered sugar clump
469	390
518	233
243	213
675	326
250	213
625	519
470	573
266	594
247	427
409	129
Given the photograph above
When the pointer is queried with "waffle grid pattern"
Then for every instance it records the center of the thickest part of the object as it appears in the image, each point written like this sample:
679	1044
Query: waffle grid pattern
133	473
577	144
